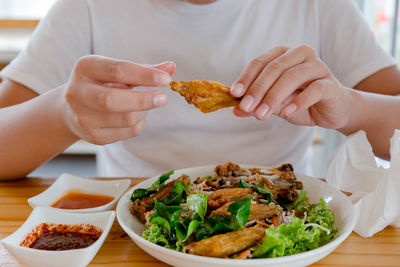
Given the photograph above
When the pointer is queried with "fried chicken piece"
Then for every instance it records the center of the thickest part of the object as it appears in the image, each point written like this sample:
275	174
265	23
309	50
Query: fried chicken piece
227	169
141	206
261	211
280	181
257	211
222	196
223	210
228	175
208	96
226	244
264	182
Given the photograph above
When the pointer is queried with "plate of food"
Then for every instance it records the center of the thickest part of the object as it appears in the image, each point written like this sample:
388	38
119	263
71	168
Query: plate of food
233	214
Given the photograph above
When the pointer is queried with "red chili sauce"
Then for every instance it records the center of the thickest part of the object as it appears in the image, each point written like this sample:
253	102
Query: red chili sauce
79	200
61	236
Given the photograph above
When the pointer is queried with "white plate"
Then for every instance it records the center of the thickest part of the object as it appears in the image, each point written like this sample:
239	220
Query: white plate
341	206
67	182
73	257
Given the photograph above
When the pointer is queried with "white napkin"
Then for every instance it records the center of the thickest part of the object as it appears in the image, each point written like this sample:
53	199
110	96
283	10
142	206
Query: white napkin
375	190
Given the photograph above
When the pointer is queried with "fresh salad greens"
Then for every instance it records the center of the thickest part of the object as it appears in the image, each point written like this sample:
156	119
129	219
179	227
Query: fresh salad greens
300	203
194	217
217	224
299	235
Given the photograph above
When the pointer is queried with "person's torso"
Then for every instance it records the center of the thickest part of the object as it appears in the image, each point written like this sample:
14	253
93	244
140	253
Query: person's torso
210	42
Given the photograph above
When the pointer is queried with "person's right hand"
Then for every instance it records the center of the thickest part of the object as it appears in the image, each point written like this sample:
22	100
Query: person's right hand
98	105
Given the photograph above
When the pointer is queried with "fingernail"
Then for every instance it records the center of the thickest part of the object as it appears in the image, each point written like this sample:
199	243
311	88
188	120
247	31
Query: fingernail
246	103
290	109
159	100
162	78
262	111
237	89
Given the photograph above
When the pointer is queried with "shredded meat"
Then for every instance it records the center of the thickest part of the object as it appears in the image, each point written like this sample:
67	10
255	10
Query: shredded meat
141	206
264	182
280	181
226	244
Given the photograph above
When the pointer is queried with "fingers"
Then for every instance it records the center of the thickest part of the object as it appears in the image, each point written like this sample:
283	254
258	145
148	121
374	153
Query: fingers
167	66
114	99
240	113
101	120
286	84
107	70
310	96
111	135
251	72
101	109
271	73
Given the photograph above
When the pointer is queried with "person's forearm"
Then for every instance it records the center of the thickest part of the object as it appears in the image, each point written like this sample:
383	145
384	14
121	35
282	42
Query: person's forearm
377	115
32	133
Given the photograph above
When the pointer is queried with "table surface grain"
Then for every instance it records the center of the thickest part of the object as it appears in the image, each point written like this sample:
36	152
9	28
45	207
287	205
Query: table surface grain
118	250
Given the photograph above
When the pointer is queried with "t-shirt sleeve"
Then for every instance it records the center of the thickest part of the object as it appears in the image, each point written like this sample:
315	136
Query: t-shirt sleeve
347	43
62	37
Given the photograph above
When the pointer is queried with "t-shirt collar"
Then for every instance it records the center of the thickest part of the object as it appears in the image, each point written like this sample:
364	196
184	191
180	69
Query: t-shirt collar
185	7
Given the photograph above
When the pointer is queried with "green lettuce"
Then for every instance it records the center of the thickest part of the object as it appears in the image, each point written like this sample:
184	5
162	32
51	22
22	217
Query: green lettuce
300	203
321	215
218	224
298	236
287	239
156	234
157	185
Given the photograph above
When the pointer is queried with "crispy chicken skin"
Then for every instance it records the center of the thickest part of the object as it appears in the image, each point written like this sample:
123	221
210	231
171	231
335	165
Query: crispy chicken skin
208	96
257	211
261	211
140	206
222	196
226	244
227	169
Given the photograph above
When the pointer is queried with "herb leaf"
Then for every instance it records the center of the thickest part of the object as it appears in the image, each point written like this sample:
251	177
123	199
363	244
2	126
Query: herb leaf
165	216
157	185
240	211
177	195
198	204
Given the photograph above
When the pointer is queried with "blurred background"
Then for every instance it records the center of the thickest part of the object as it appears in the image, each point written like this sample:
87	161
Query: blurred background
18	18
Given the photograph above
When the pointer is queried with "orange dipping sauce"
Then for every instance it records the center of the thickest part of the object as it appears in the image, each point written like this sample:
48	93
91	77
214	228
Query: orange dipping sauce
75	199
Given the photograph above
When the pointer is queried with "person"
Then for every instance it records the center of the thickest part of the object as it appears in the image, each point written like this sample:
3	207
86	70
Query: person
311	63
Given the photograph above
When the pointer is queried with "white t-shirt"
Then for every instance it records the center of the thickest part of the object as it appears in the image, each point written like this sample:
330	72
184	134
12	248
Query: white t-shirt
213	42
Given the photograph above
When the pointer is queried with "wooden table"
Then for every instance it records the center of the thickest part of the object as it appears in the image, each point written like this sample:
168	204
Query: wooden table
381	250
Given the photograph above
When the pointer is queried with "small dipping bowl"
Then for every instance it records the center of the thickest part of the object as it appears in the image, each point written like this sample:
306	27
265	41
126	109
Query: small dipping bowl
67	183
72	257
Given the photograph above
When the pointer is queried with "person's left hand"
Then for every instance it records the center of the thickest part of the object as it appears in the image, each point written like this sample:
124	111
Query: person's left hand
295	84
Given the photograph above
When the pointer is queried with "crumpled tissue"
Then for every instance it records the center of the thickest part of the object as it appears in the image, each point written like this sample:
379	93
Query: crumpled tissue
375	190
